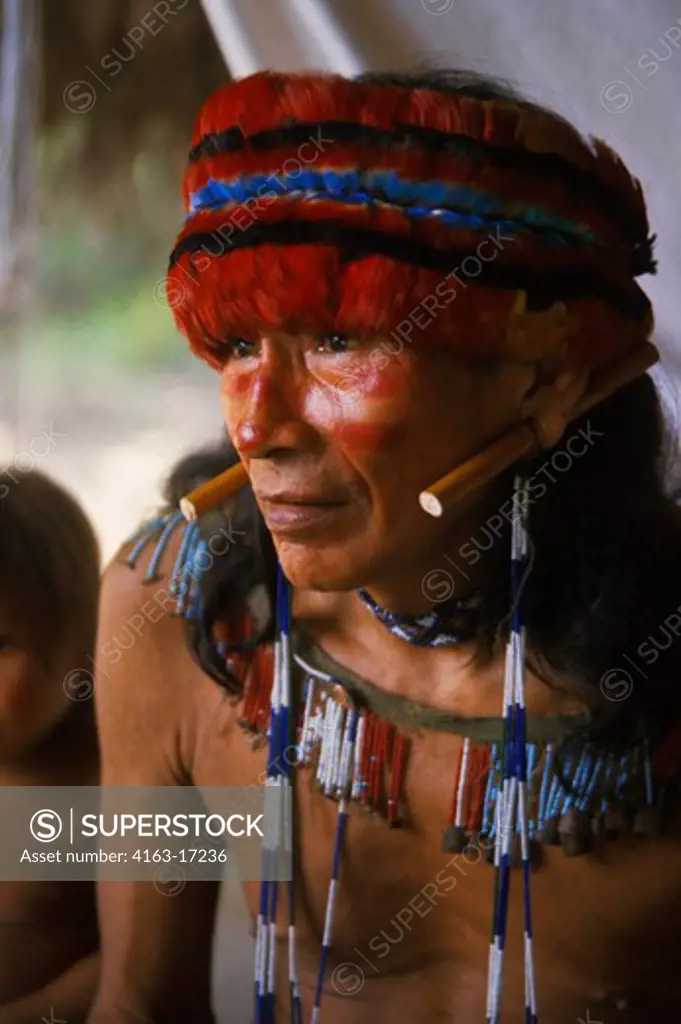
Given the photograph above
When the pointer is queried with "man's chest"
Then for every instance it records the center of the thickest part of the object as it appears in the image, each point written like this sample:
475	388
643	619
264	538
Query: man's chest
604	921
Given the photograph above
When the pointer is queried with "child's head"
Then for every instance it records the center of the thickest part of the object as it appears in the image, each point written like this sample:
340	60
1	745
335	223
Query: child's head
49	585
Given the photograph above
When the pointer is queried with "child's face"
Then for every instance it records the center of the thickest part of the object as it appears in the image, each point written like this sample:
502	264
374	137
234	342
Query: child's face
32	697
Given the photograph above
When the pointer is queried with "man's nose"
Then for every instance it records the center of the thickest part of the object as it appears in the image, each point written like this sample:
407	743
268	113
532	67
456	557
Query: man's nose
271	419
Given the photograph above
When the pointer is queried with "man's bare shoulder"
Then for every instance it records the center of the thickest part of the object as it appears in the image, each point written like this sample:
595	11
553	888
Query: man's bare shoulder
150	690
139	596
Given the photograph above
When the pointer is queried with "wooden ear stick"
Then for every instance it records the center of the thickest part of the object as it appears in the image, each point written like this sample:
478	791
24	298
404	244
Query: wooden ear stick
522	441
214	492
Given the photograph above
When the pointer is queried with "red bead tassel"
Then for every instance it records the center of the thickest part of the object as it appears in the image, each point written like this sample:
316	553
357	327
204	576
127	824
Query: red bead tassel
384	750
478	777
242	665
263	668
396	777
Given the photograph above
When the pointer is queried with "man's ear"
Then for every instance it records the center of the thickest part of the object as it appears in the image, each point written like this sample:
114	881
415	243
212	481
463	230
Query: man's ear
552	399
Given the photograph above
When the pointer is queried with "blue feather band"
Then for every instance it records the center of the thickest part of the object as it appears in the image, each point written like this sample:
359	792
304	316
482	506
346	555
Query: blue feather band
456	205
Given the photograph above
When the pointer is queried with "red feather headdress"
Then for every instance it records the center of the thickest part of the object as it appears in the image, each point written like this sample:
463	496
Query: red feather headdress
317	204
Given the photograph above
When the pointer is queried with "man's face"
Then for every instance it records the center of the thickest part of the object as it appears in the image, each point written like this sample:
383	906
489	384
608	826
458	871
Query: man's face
339	435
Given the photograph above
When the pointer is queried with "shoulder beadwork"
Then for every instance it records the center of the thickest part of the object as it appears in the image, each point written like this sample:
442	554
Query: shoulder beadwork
192	560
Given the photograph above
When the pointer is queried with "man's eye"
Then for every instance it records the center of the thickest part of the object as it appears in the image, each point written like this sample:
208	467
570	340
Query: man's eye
335	343
240	348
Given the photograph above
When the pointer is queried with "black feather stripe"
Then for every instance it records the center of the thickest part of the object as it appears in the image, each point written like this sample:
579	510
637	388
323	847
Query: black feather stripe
543	287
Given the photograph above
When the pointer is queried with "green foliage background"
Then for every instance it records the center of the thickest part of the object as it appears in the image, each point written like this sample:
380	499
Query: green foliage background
108	204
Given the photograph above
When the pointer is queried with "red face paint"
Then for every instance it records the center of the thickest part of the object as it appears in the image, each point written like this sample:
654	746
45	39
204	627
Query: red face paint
353	402
366	437
257	388
358	404
254	409
235	385
387	381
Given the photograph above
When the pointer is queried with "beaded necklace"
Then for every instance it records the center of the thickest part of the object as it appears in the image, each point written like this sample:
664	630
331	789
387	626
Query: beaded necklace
510	795
452	623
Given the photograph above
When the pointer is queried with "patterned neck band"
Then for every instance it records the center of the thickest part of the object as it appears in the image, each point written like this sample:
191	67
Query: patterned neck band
454	622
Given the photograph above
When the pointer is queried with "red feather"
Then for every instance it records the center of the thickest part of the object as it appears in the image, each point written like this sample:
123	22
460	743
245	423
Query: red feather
309	288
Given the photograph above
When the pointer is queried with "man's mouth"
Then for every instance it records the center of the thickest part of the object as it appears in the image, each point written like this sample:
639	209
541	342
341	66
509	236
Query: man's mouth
299	496
293	513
